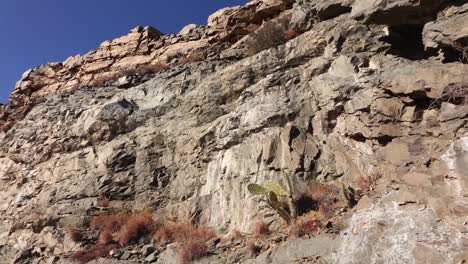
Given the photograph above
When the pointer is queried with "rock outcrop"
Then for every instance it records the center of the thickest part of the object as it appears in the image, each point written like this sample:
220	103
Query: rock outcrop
362	90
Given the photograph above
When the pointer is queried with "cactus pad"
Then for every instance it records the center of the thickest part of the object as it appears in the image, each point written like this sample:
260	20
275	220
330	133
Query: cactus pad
257	189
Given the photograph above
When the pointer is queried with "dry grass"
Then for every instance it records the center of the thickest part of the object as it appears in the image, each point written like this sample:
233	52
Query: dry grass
105	237
105	80
366	184
455	93
462	49
115	230
137	226
319	197
176	232
196	56
142	70
252	249
75	234
92	252
192	249
261	229
112	222
270	34
305	225
192	240
124	227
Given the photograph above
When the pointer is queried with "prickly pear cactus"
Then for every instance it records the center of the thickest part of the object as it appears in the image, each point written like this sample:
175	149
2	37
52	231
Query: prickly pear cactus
257	189
276	188
277	198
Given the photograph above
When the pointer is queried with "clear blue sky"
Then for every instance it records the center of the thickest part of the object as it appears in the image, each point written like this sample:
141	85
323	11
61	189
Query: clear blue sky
34	32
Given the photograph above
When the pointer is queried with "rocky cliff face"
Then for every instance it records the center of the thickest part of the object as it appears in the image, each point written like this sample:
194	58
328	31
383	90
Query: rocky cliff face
373	91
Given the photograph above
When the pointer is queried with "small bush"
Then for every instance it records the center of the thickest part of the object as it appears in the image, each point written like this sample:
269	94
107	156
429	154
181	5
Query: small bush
192	240
270	34
137	226
192	249
196	56
109	222
142	70
261	229
105	80
252	249
105	237
319	197
92	252
75	234
305	225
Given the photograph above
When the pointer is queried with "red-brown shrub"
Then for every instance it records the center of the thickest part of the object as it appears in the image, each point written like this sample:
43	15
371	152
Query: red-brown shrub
104	80
93	252
196	56
305	225
261	229
191	239
192	249
137	225
105	237
75	234
252	249
110	222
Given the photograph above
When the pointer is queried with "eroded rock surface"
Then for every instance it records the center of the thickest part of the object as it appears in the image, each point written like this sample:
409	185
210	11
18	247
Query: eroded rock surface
342	100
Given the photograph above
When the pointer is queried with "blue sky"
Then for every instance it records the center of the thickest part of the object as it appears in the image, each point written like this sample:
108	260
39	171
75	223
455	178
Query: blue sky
34	32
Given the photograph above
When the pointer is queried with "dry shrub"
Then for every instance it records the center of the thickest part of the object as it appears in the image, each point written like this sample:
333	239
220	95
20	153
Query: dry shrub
109	222
367	184
252	249
261	229
270	34
192	240
102	202
92	252
105	80
462	49
126	228
319	197
192	249
305	225
455	93
177	232
105	237
196	56
75	234
137	226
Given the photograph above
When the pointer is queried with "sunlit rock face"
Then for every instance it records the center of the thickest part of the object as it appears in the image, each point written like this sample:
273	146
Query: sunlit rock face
373	90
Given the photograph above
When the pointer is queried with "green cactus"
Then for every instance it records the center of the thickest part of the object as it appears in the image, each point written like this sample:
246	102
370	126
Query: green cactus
278	198
257	189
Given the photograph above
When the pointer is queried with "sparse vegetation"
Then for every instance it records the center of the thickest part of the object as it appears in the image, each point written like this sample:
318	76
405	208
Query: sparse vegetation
75	234
261	228
115	230
305	225
191	240
270	34
139	71
93	252
278	198
252	249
